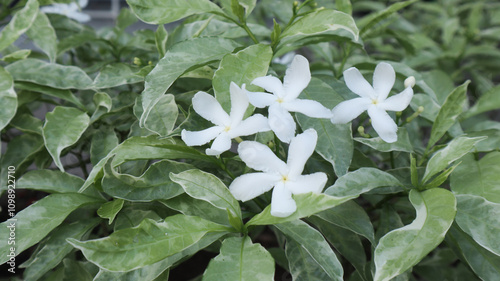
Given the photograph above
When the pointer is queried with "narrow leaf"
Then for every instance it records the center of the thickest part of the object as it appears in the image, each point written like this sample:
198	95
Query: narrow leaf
19	24
302	265
43	35
110	209
8	97
402	144
488	101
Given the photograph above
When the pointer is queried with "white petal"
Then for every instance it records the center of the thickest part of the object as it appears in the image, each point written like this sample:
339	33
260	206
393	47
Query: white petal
300	149
252	125
221	143
249	186
307	183
239	103
83	3
281	122
209	108
79	17
282	203
260	99
270	84
383	80
297	77
260	157
50	9
345	111
398	102
310	108
383	124
358	84
200	137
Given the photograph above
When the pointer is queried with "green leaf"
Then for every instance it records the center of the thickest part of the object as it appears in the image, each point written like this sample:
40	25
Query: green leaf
360	181
19	24
454	150
240	259
247	5
302	265
63	127
488	101
110	209
241	68
54	248
314	243
103	141
182	57
163	116
449	112
103	104
154	184
335	143
26	123
190	206
402	144
480	219
490	144
148	243
125	19
8	97
344	6
116	74
165	11
17	55
372	19
323	22
65	95
161	37
49	74
307	204
50	181
44	36
404	247
36	221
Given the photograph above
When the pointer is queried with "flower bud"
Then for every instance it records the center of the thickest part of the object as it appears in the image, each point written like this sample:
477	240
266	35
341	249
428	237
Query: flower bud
410	82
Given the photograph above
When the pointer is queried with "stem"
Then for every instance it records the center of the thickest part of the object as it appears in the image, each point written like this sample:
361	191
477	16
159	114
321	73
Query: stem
223	166
250	33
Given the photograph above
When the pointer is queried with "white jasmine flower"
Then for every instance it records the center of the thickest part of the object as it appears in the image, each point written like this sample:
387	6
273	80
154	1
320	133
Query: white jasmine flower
374	100
286	178
284	98
226	126
71	10
286	59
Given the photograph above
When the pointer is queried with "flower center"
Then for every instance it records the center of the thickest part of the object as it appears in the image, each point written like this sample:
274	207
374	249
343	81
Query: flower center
280	100
227	129
374	101
284	178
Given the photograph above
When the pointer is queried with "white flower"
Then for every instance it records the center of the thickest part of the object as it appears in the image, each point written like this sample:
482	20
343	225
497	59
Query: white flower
286	59
286	178
374	100
71	10
284	98
226	126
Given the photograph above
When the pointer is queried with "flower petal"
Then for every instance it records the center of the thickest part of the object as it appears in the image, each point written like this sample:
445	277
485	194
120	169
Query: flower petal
79	17
221	143
83	3
209	108
200	137
358	84
297	77
383	80
310	108
239	103
253	124
249	186
260	157
282	203
398	102
260	99
345	111
300	149
281	122
307	183
383	124
270	84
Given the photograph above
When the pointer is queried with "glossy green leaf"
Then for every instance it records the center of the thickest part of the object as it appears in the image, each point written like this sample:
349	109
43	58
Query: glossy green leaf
65	94
404	247
361	181
110	209
190	206
179	59
165	11
49	74
63	127
302	265
402	144
19	24
372	19
486	102
480	219
36	221
17	55
150	242
449	112
491	143
240	259
454	150
44	36
314	243
8	97
27	123
163	116
103	141
344	6
161	37
154	184
241	68
113	75
50	181
103	104
247	5
307	204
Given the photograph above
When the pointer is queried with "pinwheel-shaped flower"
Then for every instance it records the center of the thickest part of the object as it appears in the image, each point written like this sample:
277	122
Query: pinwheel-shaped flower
71	10
226	126
374	100
286	178
284	98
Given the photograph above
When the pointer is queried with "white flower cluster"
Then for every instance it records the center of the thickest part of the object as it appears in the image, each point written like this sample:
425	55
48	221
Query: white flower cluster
281	99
